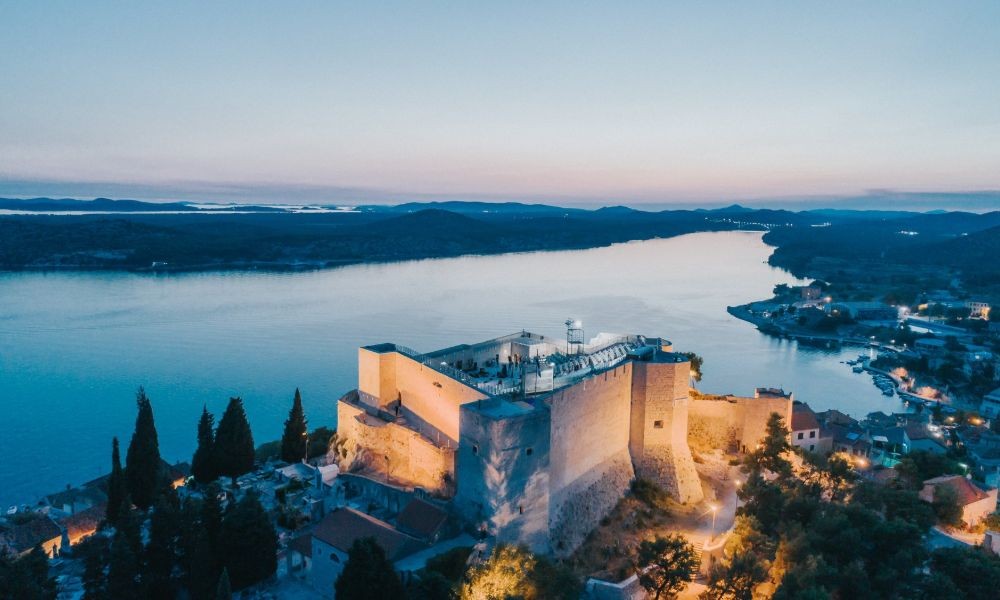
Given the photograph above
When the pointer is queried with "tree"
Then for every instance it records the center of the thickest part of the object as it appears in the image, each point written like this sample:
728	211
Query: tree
770	455
735	579
430	585
972	571
506	574
27	577
117	485
142	462
368	574
946	506
162	549
665	565
234	450
203	462
295	439
94	551
696	365
125	567
248	544
224	591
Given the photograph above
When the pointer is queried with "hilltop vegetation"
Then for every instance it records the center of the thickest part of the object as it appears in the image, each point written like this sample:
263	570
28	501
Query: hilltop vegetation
885	246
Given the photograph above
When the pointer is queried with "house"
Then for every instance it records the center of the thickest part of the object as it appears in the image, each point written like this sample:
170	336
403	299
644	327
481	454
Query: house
850	440
333	537
72	500
990	407
835	417
889	445
978	310
866	311
78	527
922	439
930	346
422	520
805	428
38	530
976	503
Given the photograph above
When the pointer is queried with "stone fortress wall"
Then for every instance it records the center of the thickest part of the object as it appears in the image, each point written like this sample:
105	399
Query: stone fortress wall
502	472
659	429
393	450
733	423
590	468
542	470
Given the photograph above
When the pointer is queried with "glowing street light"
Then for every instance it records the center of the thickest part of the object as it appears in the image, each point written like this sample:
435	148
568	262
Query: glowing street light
715	510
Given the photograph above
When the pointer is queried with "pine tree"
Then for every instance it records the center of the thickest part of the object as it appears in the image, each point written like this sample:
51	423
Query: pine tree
224	591
117	486
368	574
295	440
248	543
234	449
143	465
203	463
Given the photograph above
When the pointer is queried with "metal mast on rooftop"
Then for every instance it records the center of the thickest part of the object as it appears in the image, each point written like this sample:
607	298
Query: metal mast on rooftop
574	336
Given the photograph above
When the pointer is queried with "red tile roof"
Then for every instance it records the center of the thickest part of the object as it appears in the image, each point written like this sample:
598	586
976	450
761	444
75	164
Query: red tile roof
342	527
803	418
84	522
24	537
421	519
966	492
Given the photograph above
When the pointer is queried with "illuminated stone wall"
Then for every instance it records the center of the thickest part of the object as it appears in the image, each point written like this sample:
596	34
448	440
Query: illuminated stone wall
733	423
433	396
659	427
383	448
590	467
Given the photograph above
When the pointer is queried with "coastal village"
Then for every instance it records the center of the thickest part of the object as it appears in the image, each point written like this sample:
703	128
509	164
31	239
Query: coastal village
597	460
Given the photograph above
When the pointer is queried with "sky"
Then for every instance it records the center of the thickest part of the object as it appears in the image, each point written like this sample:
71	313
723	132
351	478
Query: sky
578	102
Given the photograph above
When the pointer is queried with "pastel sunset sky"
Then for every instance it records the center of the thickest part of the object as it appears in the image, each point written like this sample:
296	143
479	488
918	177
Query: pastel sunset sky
639	102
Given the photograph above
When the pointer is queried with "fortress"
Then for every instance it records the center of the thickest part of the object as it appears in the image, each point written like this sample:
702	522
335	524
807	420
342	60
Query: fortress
536	439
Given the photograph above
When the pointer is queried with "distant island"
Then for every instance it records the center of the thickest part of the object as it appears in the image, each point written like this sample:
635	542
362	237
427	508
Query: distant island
133	235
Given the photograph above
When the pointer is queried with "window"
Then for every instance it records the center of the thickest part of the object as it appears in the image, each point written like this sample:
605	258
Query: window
812	433
657	424
475	449
520	509
800	435
812	447
528	451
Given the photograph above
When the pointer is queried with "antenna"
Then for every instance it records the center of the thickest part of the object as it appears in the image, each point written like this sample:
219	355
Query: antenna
574	336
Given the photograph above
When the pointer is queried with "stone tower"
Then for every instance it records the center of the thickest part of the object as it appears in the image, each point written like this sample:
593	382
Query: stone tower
658	433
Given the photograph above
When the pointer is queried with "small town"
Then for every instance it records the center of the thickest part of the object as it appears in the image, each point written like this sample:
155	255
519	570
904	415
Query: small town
525	466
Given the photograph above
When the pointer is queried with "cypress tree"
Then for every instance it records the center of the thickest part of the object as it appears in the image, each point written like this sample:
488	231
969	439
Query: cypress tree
295	440
203	463
162	549
94	584
125	566
142	463
234	450
117	486
248	543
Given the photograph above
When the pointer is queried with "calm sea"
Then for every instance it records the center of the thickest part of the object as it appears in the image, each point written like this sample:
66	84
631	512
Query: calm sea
75	346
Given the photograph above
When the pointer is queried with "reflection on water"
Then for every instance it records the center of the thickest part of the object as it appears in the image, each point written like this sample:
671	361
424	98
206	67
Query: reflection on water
75	346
